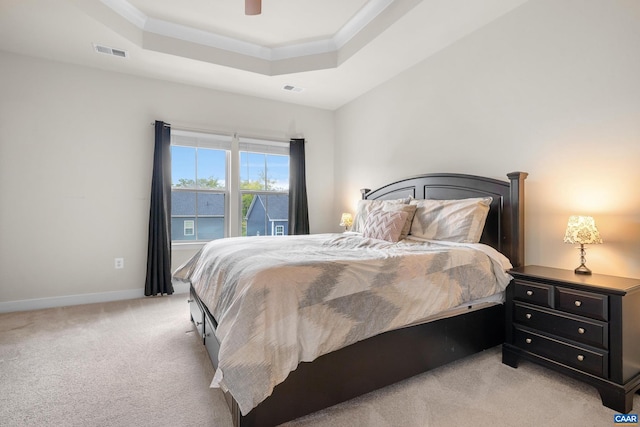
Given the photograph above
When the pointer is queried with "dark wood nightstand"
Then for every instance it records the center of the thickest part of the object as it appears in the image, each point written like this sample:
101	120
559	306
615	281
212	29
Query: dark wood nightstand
584	326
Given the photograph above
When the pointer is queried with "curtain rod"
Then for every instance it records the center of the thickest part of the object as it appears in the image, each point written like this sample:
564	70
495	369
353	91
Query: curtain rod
234	134
193	129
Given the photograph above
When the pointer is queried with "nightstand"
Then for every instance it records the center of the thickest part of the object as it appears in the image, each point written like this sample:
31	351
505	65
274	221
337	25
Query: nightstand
584	326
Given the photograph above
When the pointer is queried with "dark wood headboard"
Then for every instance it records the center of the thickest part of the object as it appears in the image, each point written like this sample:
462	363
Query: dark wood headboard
504	228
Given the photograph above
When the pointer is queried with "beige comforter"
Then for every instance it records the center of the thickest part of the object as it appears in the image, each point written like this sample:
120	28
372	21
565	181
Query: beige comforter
282	300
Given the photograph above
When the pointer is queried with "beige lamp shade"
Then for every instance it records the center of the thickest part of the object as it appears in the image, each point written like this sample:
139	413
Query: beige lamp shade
582	230
346	220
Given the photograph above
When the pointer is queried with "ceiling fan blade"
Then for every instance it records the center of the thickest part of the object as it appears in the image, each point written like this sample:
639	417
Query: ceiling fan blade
252	7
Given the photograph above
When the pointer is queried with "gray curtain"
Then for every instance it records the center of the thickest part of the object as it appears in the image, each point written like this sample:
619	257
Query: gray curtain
298	207
159	252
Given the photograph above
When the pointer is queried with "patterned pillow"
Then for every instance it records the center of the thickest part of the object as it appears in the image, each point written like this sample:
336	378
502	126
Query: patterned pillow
384	225
452	220
409	209
366	206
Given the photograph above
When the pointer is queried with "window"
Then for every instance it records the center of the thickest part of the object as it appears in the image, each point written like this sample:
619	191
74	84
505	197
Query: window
199	185
264	187
227	186
189	227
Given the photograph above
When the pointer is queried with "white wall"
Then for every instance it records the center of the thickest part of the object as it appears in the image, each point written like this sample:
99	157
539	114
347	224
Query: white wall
76	147
552	89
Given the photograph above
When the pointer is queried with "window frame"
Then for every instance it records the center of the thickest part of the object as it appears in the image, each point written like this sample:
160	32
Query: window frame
233	145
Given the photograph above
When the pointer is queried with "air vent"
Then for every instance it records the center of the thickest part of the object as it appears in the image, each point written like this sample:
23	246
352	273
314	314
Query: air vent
291	88
111	51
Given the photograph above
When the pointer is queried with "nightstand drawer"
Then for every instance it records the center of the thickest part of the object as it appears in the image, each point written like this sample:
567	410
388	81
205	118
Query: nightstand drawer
580	358
583	330
534	293
583	303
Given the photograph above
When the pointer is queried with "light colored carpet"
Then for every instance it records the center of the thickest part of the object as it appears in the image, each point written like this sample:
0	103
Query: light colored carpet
139	363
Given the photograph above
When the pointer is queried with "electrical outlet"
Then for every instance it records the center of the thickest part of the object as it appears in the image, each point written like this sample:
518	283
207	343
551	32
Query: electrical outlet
119	263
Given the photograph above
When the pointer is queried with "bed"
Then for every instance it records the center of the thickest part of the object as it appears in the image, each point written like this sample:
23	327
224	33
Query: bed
331	372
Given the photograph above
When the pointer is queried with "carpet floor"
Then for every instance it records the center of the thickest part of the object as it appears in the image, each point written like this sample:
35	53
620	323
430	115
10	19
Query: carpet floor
139	363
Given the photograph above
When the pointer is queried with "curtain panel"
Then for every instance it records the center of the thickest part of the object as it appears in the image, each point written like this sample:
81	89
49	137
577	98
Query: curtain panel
298	207
158	279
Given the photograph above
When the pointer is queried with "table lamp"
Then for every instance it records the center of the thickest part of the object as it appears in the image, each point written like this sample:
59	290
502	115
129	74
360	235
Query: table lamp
582	230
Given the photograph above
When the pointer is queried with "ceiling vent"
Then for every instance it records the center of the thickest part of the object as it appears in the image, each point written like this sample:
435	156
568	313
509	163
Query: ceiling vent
291	88
111	51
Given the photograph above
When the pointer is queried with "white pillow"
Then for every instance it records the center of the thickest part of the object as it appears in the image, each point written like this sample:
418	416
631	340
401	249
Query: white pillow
384	225
452	220
366	206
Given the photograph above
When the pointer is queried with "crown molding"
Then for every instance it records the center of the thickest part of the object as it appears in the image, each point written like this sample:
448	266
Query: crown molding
180	40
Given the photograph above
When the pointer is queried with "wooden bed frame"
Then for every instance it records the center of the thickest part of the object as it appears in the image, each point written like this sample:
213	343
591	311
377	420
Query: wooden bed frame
393	356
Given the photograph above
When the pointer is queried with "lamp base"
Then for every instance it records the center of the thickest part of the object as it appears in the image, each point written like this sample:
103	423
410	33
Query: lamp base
582	270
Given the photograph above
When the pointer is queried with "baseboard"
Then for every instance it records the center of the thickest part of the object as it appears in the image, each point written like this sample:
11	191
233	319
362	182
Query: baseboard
63	301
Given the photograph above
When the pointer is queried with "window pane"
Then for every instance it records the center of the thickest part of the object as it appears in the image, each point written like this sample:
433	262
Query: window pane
252	171
277	172
265	214
259	171
211	209
197	215
212	166
183	210
183	166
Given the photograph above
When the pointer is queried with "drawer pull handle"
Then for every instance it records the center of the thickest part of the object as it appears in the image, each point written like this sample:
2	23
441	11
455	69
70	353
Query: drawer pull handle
198	323
528	340
578	303
189	301
581	330
528	315
580	358
529	293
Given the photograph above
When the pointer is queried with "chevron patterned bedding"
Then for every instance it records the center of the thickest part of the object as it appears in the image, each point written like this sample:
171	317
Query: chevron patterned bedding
287	299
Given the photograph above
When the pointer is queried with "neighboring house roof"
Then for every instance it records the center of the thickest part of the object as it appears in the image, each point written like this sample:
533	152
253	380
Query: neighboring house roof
276	206
183	203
